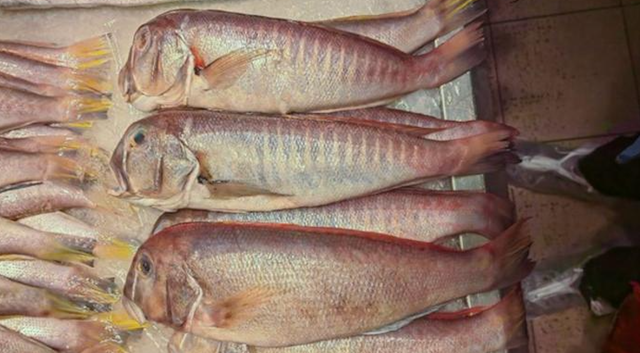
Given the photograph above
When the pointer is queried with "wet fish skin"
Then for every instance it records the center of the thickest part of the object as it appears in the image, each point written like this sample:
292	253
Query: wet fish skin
19	299
200	58
59	222
413	29
45	197
76	281
27	4
37	131
63	335
8	81
19	108
221	161
411	214
17	168
274	286
13	342
19	239
449	129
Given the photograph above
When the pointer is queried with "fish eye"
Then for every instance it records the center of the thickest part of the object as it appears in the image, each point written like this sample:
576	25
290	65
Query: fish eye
138	138
145	267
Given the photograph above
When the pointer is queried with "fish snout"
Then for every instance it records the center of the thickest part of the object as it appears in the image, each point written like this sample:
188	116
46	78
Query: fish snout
126	84
134	310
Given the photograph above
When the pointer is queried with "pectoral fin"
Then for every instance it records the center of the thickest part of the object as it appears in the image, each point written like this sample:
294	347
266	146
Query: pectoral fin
226	70
233	310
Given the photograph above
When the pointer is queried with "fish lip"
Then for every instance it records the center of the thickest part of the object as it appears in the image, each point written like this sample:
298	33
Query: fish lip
134	310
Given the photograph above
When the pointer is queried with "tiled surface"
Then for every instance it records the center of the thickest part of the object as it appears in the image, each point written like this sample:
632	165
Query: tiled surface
632	17
504	10
574	330
562	77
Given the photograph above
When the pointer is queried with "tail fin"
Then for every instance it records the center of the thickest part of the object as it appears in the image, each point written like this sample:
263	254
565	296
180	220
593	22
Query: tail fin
120	320
455	13
63	308
90	107
453	58
484	153
114	249
510	311
92	77
63	168
510	256
91	52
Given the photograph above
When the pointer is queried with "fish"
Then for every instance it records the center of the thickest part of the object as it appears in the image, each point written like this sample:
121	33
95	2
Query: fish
60	222
235	62
43	144
13	342
19	239
283	285
31	199
73	336
91	52
443	130
420	215
37	131
222	161
19	167
74	281
19	108
21	300
16	83
413	29
90	77
475	330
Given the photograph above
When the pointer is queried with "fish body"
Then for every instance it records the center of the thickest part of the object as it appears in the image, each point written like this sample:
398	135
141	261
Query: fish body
29	200
274	286
19	239
24	85
37	131
17	168
13	342
19	108
223	161
411	214
413	29
237	62
58	222
443	130
21	300
63	335
76	281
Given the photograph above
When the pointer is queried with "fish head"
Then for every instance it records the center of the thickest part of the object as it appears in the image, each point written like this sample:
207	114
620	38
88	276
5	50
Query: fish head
151	163
160	287
160	64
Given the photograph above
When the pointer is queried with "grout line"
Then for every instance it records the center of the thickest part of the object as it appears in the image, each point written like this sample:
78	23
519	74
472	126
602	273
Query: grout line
537	17
630	52
495	70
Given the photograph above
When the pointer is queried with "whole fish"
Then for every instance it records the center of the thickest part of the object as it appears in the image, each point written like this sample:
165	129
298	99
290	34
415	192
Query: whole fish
8	81
88	53
413	29
19	239
19	299
19	108
72	336
282	285
221	161
476	330
32	199
90	77
75	281
412	214
236	62
443	130
13	342
18	167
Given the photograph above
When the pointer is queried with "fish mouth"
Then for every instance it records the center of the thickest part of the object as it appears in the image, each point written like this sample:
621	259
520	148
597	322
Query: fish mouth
134	310
118	161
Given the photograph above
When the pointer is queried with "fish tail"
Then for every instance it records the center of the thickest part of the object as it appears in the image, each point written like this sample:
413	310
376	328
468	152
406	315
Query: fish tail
55	144
92	77
510	256
80	125
63	168
64	308
454	13
450	60
120	320
99	295
484	153
92	48
64	253
114	249
510	312
90	107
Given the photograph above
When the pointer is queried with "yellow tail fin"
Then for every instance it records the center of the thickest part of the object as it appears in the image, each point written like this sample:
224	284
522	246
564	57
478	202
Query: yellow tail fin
63	308
115	249
65	254
120	320
96	47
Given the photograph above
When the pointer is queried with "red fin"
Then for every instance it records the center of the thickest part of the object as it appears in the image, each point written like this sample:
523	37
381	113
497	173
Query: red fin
510	252
198	60
455	315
